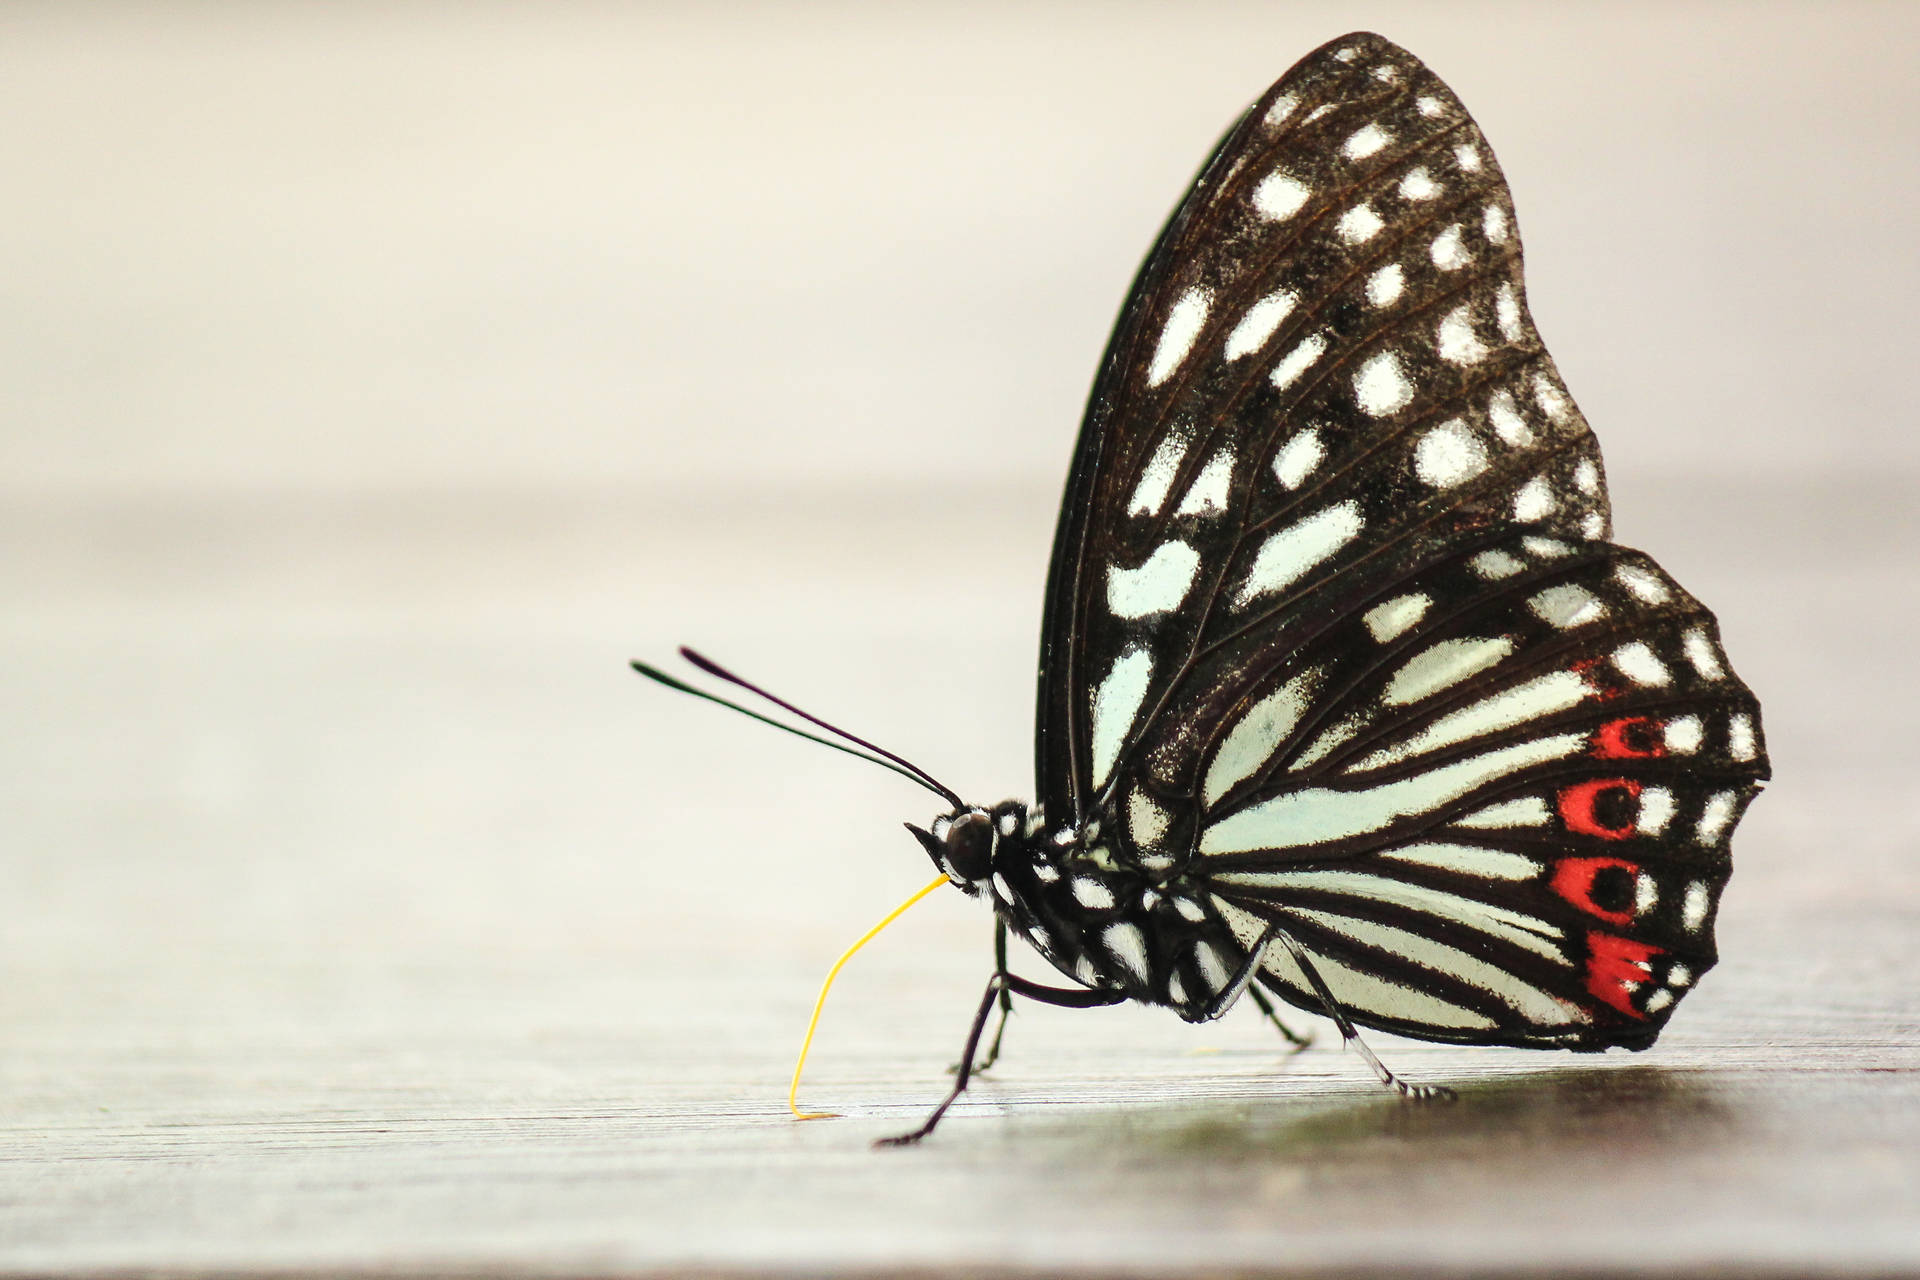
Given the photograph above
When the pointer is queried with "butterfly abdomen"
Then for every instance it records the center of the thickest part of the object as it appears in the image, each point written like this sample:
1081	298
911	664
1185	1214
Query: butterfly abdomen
1150	935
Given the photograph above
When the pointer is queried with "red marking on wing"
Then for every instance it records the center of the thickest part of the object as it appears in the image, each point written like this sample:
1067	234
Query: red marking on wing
1577	803
1598	676
1631	738
1573	880
1616	967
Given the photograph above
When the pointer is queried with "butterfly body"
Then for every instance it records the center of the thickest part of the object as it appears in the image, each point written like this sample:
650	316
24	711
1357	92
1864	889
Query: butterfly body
1101	917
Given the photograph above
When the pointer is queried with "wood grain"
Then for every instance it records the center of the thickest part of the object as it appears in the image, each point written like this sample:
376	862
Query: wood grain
364	915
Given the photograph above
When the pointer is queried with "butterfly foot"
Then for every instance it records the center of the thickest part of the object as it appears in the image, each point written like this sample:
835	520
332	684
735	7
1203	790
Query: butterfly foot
903	1139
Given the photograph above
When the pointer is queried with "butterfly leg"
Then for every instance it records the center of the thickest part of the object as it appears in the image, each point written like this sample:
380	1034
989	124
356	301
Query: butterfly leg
1243	982
1065	997
1298	1039
1413	1092
1006	994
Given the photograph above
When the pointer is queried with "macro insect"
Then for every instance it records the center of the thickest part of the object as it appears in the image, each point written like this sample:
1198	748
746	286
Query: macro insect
1346	694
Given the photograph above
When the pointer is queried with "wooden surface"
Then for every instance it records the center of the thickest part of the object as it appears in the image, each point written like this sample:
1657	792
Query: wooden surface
376	380
358	920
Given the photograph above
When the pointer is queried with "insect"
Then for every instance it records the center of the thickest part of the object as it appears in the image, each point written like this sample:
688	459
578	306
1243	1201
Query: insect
1346	694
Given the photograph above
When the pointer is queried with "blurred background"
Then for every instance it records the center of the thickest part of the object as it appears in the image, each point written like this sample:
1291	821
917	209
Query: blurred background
376	380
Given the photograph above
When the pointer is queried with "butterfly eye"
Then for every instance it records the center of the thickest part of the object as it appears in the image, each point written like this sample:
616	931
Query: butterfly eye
968	847
961	847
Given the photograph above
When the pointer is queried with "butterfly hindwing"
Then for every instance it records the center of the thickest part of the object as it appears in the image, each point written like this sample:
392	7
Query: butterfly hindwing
1494	802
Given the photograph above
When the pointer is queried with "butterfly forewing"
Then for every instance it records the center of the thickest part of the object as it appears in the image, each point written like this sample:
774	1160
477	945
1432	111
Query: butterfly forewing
1332	618
1328	353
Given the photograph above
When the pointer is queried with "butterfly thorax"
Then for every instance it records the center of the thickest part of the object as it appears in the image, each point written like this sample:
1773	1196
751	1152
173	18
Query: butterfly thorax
1097	919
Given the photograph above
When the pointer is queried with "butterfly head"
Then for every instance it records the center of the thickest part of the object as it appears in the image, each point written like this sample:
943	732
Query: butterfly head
964	844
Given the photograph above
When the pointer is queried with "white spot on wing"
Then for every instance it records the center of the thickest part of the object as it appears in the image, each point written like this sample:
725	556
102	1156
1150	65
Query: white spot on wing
1527	811
1552	400
1365	142
1298	457
1157	480
1449	251
1418	185
1494	223
1448	455
1157	586
1115	704
1455	339
1656	810
1534	501
1282	108
1184	322
1298	360
1384	285
1531	1002
1586	476
1210	488
1428	107
1361	990
1516	927
1255	327
1316	815
1637	663
1358	224
1693	909
1534	699
1392	619
1495	565
1566	606
1506	312
1468	157
1336	735
1740	744
1289	553
1467	860
1279	196
1507	422
1684	736
1253	740
1715	817
1699	651
1146	820
1381	387
1444	665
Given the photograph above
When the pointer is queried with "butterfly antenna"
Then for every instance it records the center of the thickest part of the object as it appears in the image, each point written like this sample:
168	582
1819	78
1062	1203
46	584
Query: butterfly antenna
932	783
880	756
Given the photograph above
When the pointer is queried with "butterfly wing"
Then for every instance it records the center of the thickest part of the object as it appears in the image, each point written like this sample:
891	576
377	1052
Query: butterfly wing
1325	395
1493	800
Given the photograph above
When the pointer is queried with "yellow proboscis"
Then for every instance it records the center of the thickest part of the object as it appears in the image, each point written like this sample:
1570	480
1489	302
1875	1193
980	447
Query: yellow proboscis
793	1091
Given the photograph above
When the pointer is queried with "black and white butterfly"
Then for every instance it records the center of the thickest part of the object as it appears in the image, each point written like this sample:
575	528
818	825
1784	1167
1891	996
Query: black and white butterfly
1345	691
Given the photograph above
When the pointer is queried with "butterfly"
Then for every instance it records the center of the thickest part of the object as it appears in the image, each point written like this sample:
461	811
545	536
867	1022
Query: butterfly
1346	694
